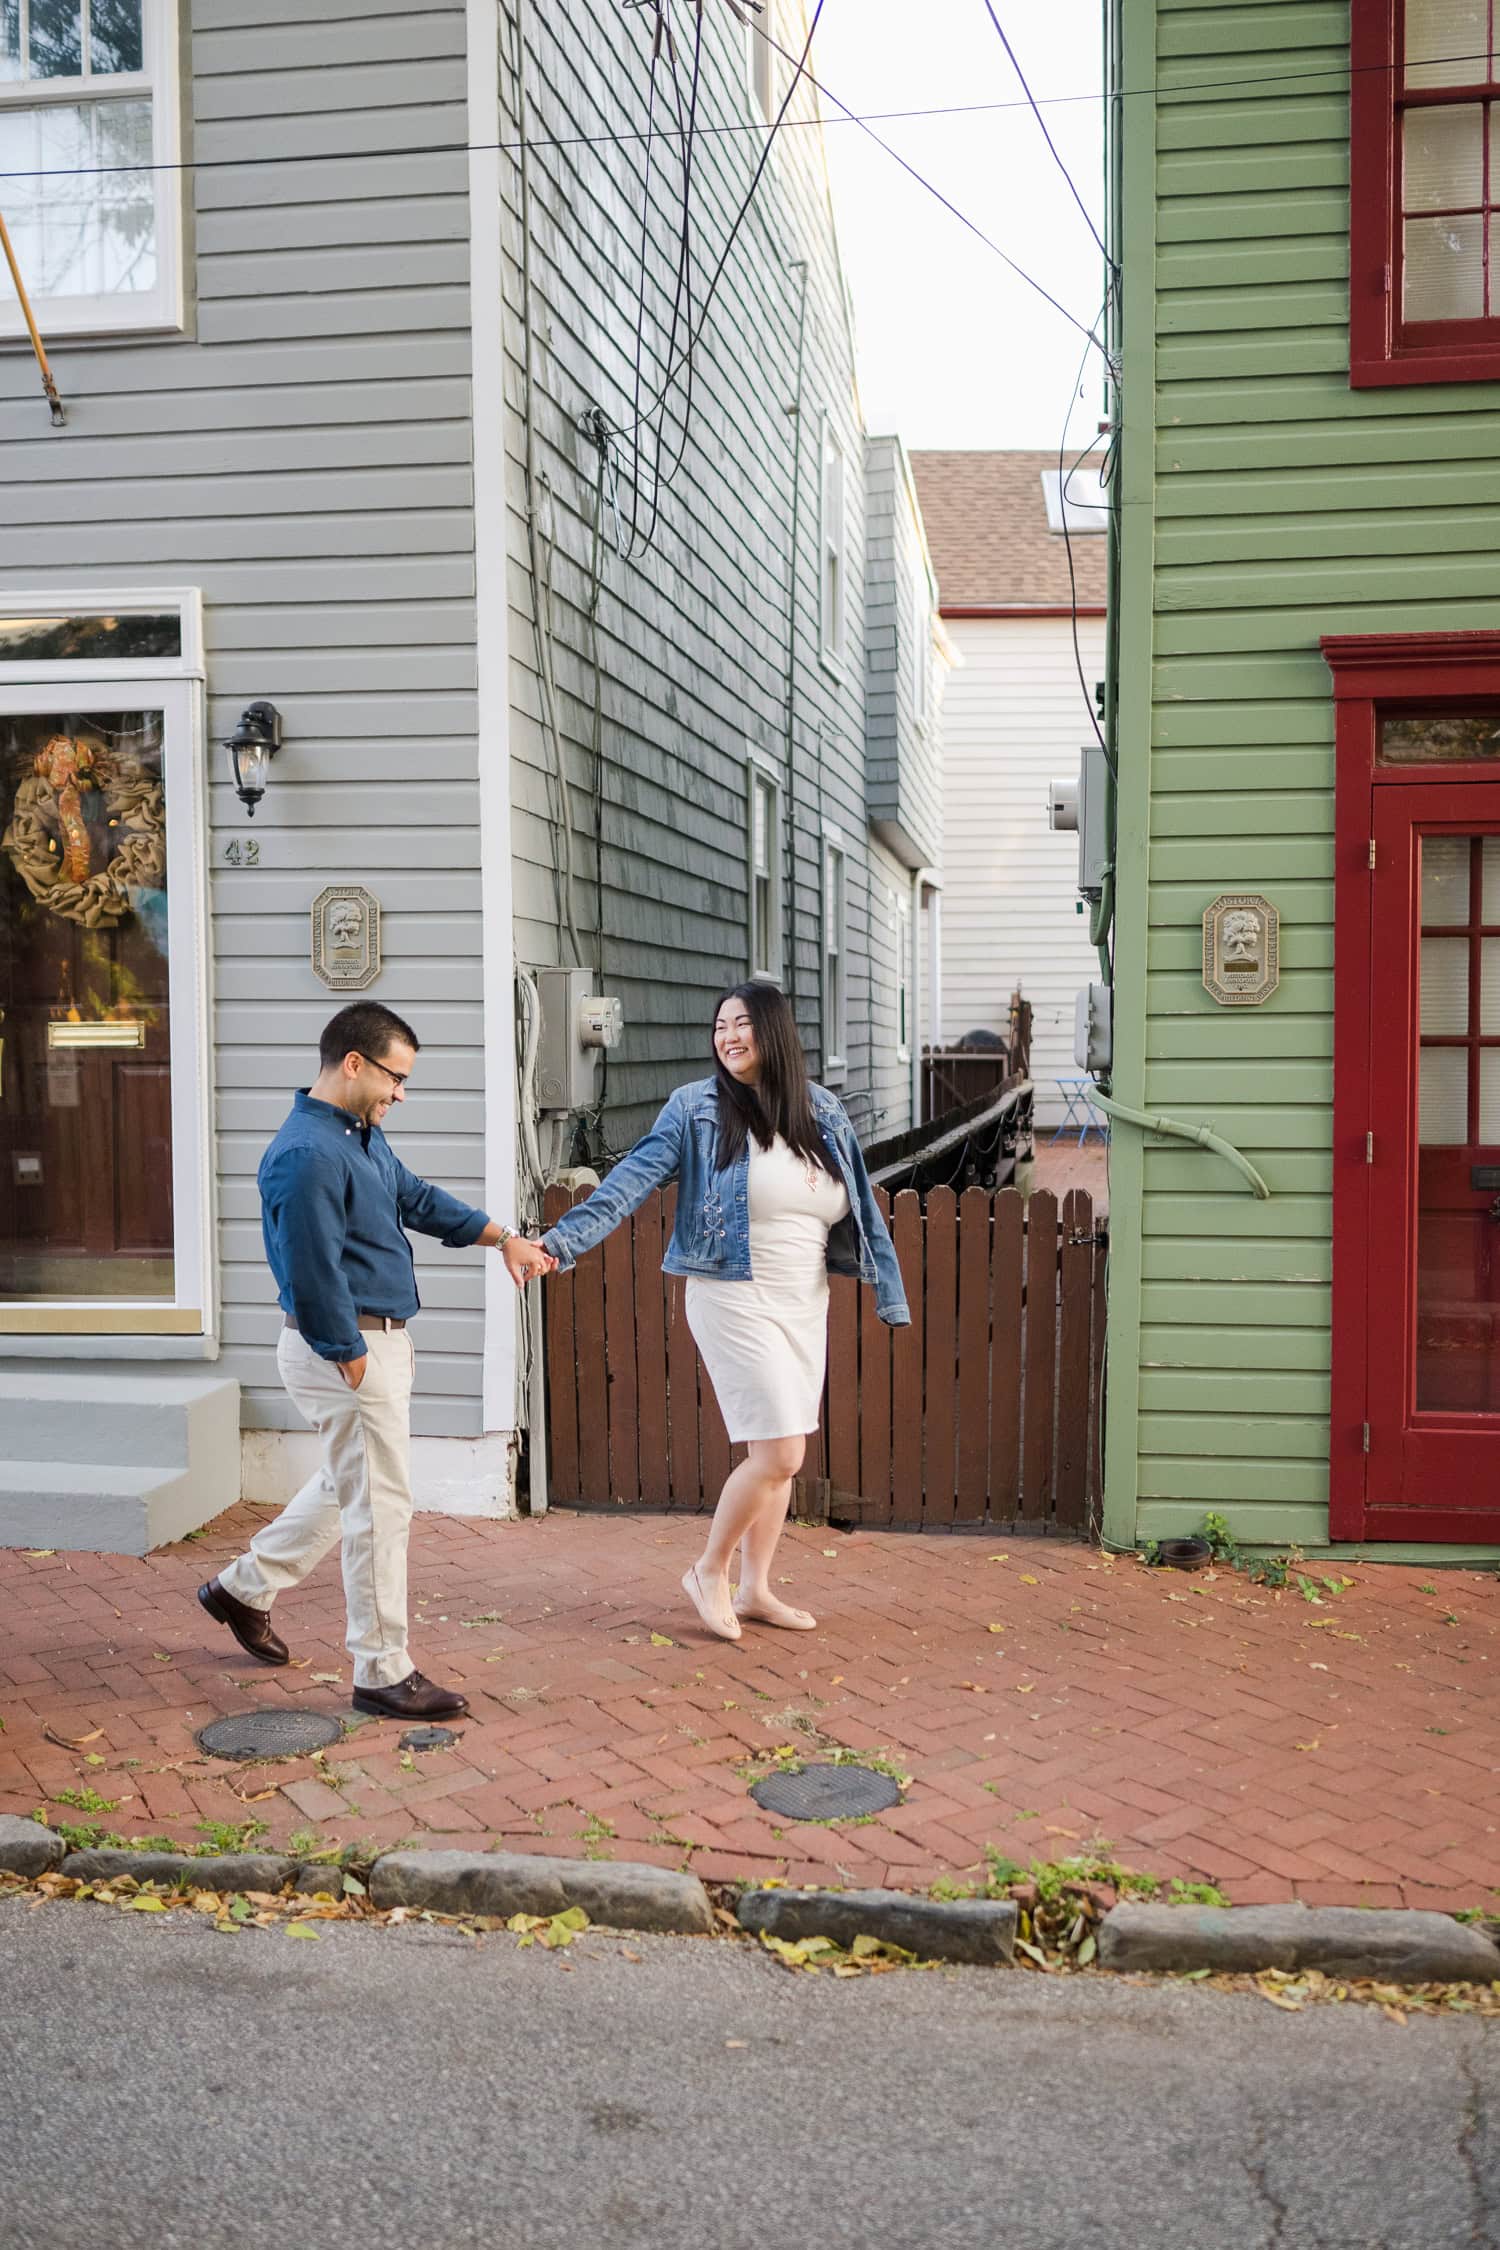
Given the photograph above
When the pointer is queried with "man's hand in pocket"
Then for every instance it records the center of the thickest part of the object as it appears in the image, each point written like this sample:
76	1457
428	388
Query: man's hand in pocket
353	1370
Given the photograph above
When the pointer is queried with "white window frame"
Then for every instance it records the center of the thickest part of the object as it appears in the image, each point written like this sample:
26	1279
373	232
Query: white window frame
761	60
763	787
127	313
833	545
920	603
834	952
175	685
903	978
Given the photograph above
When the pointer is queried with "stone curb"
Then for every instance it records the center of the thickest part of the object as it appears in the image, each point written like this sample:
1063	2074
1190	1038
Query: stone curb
223	1871
982	1930
27	1848
1402	1945
616	1893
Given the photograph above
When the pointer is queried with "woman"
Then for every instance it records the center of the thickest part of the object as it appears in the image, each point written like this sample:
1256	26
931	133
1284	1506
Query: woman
772	1196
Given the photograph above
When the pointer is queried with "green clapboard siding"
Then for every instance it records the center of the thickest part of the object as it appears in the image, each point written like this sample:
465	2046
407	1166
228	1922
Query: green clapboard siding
1265	504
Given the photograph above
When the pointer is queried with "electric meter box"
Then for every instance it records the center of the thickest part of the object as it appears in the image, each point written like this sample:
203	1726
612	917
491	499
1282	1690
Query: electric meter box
577	1025
1093	1028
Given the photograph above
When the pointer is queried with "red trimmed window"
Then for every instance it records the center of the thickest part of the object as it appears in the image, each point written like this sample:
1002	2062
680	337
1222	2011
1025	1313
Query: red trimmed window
1424	231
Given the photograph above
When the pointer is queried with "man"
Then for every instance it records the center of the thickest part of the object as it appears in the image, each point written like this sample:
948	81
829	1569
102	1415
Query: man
335	1199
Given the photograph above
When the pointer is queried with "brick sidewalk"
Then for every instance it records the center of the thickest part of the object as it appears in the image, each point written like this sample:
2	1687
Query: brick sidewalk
1341	1753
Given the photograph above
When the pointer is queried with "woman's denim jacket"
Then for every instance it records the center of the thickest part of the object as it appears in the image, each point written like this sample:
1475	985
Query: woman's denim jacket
712	1233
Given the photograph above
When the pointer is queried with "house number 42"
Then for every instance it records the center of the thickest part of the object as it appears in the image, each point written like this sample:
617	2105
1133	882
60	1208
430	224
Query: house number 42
242	855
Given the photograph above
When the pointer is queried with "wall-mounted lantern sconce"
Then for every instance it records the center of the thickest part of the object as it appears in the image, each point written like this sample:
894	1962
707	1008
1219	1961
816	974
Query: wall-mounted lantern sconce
255	739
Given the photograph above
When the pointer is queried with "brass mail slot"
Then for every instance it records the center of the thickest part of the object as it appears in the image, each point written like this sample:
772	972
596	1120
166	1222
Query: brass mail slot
96	1035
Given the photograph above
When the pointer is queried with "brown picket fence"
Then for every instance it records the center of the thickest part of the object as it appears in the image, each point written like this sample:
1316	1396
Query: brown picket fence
985	1410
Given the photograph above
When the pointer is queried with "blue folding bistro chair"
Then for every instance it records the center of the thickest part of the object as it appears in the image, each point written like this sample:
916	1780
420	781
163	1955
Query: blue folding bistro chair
1079	1112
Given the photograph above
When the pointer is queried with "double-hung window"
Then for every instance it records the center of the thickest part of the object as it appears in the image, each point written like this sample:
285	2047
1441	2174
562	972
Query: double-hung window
764	870
832	586
903	979
1424	264
760	58
835	957
88	153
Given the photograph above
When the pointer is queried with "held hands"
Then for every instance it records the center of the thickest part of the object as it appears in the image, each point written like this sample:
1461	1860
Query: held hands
524	1260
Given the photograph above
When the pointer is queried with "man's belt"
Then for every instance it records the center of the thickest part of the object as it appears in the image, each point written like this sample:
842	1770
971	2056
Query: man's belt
373	1323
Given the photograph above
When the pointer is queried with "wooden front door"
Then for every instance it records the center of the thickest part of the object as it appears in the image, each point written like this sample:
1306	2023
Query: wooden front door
1415	1434
85	1017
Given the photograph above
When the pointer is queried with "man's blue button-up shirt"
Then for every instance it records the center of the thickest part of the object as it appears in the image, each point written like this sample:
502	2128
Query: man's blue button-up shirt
334	1199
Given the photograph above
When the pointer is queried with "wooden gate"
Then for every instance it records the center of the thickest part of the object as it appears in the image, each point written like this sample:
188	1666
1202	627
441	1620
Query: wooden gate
987	1408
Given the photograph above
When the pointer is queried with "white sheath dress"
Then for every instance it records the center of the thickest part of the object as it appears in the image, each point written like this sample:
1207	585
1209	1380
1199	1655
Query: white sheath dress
765	1341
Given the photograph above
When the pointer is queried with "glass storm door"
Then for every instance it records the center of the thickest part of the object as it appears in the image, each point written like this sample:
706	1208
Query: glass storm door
1434	1154
90	1170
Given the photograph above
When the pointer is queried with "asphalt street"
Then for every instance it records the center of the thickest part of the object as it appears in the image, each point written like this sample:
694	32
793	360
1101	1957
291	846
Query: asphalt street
164	2087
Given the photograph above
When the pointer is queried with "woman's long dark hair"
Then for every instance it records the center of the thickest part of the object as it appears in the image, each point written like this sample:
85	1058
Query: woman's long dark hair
781	1102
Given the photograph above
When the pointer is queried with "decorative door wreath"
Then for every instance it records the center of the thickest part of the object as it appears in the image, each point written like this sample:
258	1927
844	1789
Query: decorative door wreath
50	845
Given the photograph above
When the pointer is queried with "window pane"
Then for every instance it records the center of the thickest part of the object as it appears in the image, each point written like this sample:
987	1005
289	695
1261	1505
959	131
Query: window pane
1489	1097
1447	42
1443	277
1420	738
1445	881
1445	984
56	39
115	35
1490	909
79	639
86	1191
1443	1097
10	39
1489	984
95	234
1443	158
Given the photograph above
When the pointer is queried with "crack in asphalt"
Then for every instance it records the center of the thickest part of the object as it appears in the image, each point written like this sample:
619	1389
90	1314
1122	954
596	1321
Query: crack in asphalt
1482	2234
1255	2172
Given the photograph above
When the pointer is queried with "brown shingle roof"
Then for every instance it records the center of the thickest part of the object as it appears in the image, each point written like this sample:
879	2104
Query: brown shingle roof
986	521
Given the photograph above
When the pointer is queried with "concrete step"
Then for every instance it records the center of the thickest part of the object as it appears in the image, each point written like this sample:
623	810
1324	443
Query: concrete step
102	1510
134	1414
115	1460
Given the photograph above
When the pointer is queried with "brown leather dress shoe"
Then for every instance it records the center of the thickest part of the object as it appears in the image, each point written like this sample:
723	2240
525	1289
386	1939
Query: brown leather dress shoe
411	1698
251	1627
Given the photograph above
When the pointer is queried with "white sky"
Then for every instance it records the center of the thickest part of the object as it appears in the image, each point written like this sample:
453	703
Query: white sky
954	350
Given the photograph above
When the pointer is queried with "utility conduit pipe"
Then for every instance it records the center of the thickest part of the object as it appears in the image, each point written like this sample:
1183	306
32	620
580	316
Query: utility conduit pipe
1202	1136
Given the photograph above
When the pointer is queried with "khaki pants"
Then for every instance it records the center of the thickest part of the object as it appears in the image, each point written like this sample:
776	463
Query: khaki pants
362	1493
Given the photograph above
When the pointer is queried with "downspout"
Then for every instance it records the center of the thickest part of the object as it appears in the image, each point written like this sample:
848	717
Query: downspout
923	879
790	963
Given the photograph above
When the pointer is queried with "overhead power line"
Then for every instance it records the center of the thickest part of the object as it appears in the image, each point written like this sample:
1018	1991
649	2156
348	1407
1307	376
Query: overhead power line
936	192
1088	216
1261	80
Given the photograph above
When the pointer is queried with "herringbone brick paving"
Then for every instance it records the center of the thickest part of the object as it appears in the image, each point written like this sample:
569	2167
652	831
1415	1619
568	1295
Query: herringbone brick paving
1039	1696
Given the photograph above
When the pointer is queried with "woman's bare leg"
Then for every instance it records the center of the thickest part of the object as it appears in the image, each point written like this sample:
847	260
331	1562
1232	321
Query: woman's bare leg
761	1487
758	1544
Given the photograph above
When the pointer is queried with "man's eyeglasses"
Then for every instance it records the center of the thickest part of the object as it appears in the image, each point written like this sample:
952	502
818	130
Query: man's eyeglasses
397	1077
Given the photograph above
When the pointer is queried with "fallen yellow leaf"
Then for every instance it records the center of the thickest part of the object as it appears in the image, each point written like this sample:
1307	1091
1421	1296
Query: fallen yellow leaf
328	1679
662	1640
995	1628
1028	1580
1025	1687
301	1929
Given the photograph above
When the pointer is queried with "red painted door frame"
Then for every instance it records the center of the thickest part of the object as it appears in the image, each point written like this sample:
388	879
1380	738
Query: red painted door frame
1374	1492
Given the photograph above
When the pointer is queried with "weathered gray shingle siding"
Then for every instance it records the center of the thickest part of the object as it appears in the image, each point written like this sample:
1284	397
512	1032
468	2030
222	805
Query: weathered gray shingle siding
693	637
304	456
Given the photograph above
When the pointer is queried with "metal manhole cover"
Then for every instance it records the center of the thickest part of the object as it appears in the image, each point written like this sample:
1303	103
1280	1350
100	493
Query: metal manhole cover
428	1738
268	1734
826	1793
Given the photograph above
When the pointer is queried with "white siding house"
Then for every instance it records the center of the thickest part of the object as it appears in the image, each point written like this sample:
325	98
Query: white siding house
1014	716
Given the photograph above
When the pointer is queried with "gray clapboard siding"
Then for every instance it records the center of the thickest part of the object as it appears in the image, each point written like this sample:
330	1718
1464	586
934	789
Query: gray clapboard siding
305	458
693	637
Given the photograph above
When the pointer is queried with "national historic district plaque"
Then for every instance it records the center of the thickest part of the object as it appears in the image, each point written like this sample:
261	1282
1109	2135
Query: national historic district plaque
1241	949
346	937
